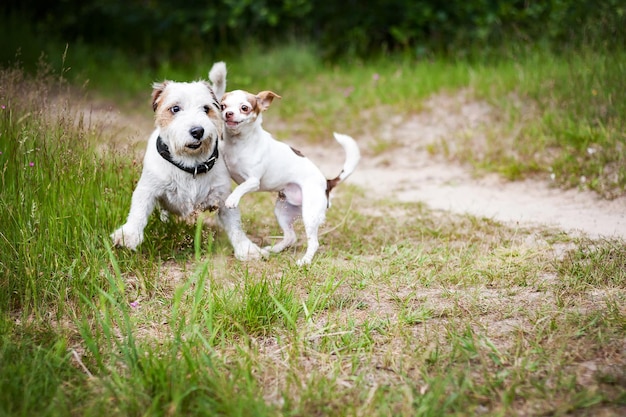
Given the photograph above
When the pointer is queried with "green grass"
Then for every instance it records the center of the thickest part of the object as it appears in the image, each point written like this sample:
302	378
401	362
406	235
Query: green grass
557	115
404	311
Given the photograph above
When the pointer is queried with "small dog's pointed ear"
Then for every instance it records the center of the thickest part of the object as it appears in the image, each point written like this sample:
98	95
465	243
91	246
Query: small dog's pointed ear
157	90
265	99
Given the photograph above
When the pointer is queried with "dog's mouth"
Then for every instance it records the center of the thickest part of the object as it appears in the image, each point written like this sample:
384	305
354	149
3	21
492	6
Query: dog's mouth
232	123
193	145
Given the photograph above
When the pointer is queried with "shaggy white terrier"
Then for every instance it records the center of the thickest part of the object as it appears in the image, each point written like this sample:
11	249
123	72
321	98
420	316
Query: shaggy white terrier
182	170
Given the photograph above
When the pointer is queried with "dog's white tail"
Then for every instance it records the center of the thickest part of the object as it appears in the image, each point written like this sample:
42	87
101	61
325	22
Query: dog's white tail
353	155
217	76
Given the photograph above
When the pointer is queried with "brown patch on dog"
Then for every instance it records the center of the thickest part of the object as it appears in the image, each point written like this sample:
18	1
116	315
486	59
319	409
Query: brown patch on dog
219	124
253	103
265	99
330	184
297	152
163	116
157	91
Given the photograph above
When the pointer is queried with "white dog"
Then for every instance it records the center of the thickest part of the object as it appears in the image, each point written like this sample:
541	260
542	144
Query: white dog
258	162
182	170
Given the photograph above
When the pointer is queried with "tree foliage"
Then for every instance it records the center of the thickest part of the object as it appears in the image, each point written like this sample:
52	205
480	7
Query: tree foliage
170	27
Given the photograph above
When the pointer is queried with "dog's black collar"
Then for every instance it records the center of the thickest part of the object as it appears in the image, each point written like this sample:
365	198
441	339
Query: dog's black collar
198	169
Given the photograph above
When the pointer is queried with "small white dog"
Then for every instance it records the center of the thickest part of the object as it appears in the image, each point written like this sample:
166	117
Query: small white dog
258	162
182	170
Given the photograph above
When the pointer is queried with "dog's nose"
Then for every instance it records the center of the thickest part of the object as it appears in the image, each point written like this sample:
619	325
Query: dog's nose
196	132
229	114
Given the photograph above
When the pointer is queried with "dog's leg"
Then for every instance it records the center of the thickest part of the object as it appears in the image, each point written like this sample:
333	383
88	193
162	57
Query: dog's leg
286	214
313	215
245	249
248	186
141	206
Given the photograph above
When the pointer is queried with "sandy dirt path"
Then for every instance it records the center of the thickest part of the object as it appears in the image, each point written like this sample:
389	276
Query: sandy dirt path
525	203
407	172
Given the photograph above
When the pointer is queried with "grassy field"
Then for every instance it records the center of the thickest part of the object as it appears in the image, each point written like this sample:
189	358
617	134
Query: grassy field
405	311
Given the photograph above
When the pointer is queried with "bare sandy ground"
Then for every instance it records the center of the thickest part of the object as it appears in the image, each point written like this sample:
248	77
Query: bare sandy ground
407	172
451	188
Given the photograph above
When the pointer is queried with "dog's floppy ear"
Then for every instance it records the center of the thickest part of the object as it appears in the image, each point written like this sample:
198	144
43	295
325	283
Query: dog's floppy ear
265	99
157	90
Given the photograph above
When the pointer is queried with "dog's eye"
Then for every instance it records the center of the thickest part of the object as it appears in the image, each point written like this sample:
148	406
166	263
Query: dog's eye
245	108
175	109
223	107
207	109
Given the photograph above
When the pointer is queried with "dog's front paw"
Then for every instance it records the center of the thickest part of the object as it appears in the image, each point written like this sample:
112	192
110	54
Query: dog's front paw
303	261
248	251
124	237
164	215
231	202
212	203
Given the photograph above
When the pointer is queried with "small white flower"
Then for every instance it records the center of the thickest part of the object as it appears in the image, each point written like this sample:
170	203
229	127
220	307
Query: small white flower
553	176
583	179
591	151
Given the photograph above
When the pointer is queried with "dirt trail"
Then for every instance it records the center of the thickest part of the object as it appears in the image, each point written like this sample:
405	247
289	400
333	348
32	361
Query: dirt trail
529	202
407	172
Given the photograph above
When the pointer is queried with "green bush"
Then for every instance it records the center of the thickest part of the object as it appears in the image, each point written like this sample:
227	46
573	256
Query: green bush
177	30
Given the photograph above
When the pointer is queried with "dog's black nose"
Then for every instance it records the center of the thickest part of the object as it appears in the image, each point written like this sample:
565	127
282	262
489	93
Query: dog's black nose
196	132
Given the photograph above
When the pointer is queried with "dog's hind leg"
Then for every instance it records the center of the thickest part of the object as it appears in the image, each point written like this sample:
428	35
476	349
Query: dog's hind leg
286	214
313	215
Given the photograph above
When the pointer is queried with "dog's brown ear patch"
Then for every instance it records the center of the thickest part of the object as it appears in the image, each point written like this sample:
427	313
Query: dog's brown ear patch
157	91
266	98
297	152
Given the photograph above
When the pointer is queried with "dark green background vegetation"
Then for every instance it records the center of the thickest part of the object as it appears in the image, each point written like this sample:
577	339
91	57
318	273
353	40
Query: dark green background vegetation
168	29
